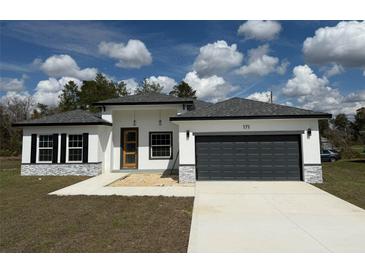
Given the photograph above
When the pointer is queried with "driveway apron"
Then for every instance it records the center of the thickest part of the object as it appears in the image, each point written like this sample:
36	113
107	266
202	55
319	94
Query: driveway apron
273	217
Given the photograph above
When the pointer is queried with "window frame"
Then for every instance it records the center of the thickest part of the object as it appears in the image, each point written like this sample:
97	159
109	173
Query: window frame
171	146
68	149
39	148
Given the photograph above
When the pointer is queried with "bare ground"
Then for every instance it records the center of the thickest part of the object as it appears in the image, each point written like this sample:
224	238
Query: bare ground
147	179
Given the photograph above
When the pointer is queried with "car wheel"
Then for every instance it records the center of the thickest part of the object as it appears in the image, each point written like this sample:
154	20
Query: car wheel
333	160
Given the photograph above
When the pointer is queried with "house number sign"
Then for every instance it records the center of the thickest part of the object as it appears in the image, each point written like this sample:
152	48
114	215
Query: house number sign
246	126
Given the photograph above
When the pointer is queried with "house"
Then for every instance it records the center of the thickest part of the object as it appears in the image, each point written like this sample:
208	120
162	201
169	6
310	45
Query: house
326	144
236	139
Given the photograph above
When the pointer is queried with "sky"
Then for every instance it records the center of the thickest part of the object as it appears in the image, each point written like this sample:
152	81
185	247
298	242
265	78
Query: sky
318	65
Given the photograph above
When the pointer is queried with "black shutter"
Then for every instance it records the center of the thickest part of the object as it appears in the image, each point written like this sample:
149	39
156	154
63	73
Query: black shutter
55	149
85	147
63	148
33	149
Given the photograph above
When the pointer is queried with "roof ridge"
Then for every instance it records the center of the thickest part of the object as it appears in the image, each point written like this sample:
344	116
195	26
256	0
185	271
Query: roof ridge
246	108
71	117
276	104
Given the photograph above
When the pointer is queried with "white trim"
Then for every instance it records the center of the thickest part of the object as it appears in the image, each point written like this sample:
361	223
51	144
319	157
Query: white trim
170	147
39	148
67	149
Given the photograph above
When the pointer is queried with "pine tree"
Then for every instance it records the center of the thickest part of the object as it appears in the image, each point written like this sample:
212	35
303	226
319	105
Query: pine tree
121	89
184	90
70	97
100	89
148	87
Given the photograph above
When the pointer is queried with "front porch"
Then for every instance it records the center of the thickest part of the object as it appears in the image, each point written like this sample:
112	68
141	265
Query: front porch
147	179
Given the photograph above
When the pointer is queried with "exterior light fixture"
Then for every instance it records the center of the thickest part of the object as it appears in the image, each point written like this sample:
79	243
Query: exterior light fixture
309	132
187	134
134	118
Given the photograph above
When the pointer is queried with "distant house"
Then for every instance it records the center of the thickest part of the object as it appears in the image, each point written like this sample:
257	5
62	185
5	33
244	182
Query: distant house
236	139
326	144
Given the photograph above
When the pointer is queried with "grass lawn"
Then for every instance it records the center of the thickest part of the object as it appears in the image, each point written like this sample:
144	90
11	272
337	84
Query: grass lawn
359	148
32	221
346	180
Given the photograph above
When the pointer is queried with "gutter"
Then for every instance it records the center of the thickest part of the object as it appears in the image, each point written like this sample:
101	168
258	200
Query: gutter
60	124
142	103
192	118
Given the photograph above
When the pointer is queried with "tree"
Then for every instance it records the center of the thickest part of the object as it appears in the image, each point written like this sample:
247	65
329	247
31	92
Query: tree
341	122
43	110
148	87
359	124
324	127
100	89
70	97
184	90
13	110
121	89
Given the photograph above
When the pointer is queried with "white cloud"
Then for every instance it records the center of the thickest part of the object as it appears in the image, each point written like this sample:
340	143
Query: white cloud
334	70
260	30
342	44
261	96
216	58
10	95
11	84
260	63
281	69
48	91
316	93
211	88
305	82
134	54
355	97
65	66
132	84
166	82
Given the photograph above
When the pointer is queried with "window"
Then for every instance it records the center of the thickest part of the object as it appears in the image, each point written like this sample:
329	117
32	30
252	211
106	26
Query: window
45	148
161	145
75	148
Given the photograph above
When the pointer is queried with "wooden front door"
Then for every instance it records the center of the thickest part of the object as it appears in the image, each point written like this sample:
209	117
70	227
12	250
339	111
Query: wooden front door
129	148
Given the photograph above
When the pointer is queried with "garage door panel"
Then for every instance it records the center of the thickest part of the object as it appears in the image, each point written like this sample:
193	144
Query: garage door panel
248	157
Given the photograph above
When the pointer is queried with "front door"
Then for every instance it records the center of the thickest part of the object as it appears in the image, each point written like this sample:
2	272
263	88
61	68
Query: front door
129	148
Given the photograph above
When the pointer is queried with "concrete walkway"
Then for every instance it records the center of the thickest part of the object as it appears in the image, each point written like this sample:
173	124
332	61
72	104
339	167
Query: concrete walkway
273	217
99	186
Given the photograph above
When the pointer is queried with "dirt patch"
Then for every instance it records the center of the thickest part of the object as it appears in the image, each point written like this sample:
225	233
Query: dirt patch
147	179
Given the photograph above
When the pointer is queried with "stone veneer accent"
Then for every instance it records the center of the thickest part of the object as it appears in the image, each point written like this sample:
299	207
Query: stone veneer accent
313	174
187	174
89	169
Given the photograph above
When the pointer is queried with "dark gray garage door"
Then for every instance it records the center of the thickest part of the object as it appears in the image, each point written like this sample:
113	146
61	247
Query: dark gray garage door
251	157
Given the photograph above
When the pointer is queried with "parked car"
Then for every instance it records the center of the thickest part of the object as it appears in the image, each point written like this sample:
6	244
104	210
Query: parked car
330	155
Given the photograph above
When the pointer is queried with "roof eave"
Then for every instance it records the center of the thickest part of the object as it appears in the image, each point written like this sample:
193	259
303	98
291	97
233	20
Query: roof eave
143	103
318	116
61	124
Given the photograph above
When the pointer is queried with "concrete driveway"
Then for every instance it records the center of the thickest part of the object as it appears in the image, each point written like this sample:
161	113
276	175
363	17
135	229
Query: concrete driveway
273	217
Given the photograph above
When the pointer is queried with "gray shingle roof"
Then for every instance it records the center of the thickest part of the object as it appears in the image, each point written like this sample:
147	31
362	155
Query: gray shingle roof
199	104
74	117
239	108
145	99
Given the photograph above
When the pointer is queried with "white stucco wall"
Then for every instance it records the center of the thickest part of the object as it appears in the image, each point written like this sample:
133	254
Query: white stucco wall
147	120
97	146
310	145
